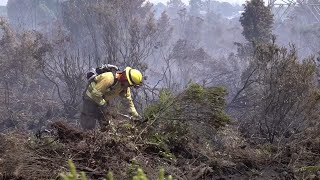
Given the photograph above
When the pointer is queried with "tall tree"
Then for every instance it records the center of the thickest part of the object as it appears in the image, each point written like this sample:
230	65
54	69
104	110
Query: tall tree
118	32
278	95
257	21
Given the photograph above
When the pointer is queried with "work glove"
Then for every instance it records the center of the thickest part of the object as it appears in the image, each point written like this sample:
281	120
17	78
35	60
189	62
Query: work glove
136	117
103	107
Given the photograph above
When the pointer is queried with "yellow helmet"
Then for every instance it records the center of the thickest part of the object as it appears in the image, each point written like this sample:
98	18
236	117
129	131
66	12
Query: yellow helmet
134	76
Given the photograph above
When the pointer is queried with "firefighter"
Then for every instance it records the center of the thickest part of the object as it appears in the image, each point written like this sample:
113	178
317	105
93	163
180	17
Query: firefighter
101	90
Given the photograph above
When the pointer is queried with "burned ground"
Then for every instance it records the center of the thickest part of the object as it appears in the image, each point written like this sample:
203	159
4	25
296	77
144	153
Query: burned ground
95	153
188	142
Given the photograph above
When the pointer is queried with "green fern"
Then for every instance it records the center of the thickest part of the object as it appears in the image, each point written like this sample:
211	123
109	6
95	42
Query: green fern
72	175
161	175
110	176
140	175
309	169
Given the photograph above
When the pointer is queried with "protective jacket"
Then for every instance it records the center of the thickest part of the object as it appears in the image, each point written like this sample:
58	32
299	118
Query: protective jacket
104	87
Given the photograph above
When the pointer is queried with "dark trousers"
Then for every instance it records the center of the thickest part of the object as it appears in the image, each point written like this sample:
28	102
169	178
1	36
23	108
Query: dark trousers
90	113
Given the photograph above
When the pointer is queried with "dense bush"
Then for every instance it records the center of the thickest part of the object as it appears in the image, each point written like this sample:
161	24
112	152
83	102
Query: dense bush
279	97
192	115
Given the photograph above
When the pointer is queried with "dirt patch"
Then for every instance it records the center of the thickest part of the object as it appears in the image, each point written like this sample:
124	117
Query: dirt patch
66	133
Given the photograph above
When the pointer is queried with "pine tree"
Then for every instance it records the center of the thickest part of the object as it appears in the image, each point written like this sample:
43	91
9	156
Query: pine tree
257	21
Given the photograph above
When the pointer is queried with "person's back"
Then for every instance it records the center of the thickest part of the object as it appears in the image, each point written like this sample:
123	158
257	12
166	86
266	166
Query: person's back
99	85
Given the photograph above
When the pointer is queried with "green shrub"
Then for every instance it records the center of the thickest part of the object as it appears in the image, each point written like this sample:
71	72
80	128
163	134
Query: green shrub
309	170
175	119
205	105
139	175
72	175
162	107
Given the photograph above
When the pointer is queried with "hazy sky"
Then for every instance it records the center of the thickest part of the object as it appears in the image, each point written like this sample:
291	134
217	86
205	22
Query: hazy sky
3	2
187	1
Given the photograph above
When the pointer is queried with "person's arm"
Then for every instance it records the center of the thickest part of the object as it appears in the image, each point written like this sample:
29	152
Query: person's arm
131	108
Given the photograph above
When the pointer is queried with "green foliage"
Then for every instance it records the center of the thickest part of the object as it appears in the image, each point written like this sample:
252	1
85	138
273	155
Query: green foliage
195	92
138	174
142	176
168	131
222	119
168	135
162	177
256	20
161	174
205	104
72	175
309	170
160	108
110	176
163	113
128	126
133	168
177	120
163	141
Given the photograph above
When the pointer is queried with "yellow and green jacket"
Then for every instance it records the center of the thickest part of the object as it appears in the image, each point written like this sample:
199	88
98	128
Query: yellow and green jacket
103	89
